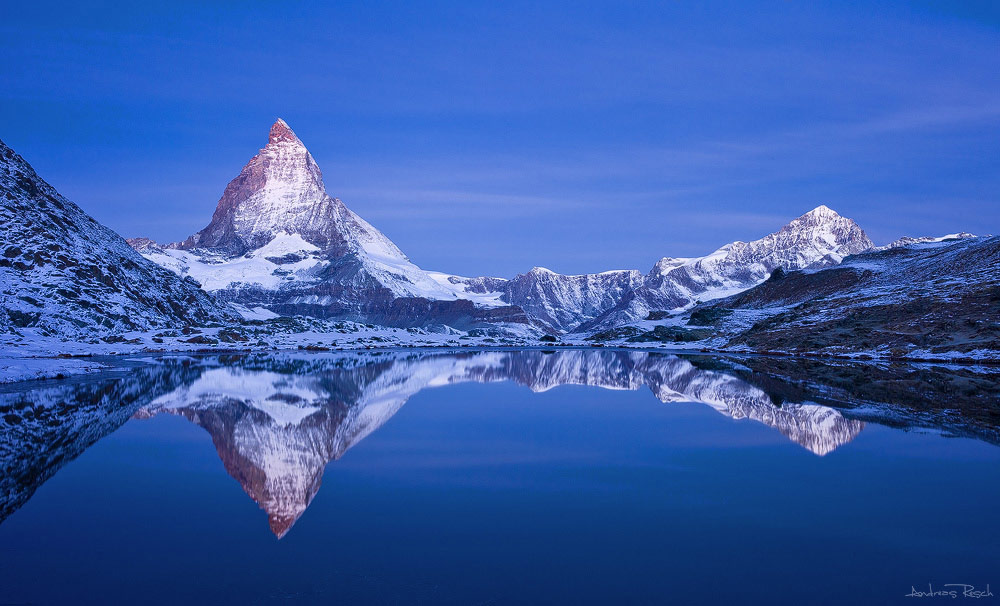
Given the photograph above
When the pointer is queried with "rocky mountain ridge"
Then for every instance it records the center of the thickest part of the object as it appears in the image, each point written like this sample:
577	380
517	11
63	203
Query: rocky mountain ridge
924	298
279	242
64	274
279	245
819	238
592	302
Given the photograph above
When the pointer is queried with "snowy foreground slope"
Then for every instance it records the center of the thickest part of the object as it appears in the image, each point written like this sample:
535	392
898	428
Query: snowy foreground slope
63	274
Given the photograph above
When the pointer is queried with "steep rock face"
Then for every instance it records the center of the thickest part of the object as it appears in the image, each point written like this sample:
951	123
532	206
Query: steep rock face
281	191
555	302
565	302
277	240
818	238
63	273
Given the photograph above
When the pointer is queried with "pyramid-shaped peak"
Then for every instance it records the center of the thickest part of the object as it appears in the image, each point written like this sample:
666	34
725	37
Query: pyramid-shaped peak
280	131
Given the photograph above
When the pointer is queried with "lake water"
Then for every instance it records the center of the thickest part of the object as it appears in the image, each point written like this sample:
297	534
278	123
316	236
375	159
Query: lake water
500	477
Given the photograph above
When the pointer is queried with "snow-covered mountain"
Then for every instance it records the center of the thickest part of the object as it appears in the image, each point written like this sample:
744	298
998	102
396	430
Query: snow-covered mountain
64	274
819	238
566	301
931	297
909	240
280	242
582	303
554	302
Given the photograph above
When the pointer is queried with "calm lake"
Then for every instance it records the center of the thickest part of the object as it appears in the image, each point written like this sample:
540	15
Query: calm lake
500	477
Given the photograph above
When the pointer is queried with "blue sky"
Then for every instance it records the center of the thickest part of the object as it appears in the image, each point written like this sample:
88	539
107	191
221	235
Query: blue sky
490	138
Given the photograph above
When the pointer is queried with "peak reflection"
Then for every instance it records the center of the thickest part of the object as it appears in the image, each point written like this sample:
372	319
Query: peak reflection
278	422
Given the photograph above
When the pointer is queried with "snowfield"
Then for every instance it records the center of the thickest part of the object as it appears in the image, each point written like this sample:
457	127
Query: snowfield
25	369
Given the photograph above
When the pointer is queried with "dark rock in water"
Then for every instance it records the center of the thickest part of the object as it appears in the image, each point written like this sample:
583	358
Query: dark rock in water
202	340
613	334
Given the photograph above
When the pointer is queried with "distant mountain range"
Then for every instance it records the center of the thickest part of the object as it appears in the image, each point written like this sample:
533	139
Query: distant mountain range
279	245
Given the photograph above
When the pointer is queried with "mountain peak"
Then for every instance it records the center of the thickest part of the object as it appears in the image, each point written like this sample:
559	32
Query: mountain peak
821	229
822	211
280	131
540	271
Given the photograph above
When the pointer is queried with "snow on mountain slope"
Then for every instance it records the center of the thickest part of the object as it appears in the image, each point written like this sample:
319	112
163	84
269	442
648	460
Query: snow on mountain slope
564	301
278	241
278	210
64	274
286	257
910	241
921	299
484	291
818	238
559	302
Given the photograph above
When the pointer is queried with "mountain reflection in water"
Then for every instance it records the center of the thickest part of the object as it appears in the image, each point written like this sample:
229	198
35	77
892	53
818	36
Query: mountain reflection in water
278	420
